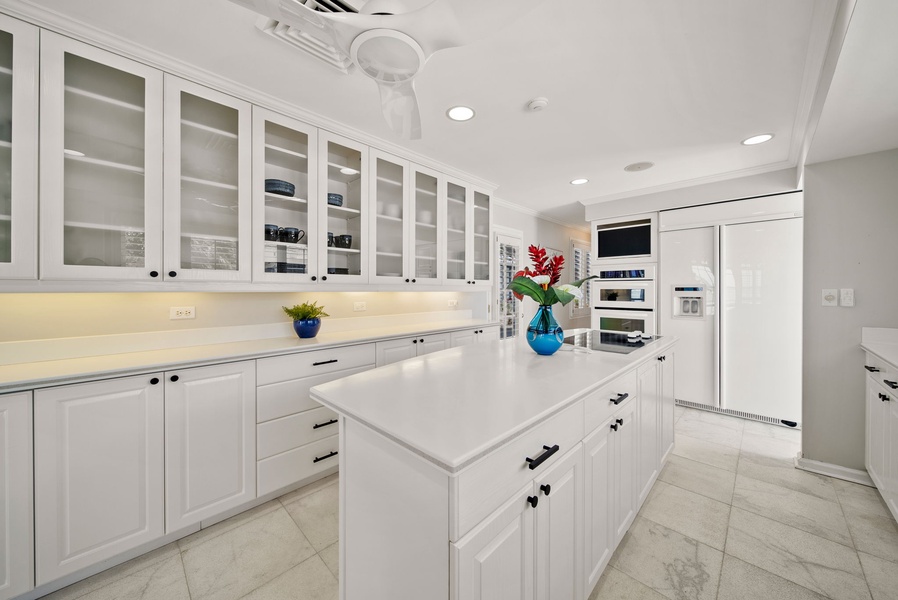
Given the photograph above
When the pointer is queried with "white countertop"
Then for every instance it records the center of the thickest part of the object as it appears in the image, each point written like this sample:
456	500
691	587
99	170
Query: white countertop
26	376
454	406
881	342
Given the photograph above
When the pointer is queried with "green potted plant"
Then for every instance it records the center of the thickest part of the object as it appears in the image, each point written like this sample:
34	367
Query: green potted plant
306	318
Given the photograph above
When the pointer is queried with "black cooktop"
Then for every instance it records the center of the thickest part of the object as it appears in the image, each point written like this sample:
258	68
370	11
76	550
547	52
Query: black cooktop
600	341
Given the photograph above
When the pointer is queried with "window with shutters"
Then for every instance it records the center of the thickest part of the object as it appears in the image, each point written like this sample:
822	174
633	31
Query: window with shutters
581	269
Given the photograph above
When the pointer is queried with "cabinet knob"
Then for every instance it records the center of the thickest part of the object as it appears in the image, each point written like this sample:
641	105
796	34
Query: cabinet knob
406	280
614	426
883	397
619	422
154	381
154	273
546	488
533	500
172	273
422	340
324	278
314	278
414	280
414	341
871	369
174	378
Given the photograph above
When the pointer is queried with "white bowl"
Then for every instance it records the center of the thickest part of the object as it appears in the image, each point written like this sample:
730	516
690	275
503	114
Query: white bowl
426	217
394	210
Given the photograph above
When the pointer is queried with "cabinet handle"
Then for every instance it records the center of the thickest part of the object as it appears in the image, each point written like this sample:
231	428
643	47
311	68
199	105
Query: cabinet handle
172	273
619	422
614	426
422	340
533	500
414	280
891	384
324	278
620	398
314	278
549	451
325	457
320	425
406	280
174	378
546	488
154	273
325	362
414	341
871	369
883	397
154	381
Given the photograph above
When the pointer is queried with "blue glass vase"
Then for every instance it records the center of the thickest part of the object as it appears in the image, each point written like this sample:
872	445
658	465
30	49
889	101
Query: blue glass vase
544	335
307	328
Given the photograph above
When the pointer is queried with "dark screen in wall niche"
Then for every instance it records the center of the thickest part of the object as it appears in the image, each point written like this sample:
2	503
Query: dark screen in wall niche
625	241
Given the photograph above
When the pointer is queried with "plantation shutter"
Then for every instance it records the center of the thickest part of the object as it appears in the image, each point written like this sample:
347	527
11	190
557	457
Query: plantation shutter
581	268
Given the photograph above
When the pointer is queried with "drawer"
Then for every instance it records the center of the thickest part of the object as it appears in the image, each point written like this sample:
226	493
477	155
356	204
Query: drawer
485	485
295	465
599	405
294	431
289	397
884	374
316	362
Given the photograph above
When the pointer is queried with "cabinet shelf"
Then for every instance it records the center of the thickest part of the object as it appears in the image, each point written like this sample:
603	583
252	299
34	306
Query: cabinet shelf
457	261
455	200
481	207
286	151
343	250
103	227
287	245
419	257
481	235
4	70
273	198
208	236
389	181
390	254
425	192
389	218
105	163
426	225
481	262
105	99
5	217
206	182
450	230
5	144
209	129
349	212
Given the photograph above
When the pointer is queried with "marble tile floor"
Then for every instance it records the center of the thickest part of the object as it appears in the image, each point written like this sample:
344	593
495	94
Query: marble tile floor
730	518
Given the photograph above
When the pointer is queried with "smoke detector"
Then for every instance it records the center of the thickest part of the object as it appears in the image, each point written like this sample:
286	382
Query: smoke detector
639	166
538	104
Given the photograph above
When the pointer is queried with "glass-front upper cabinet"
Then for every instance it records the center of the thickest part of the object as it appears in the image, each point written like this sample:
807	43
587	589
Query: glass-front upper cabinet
479	240
427	235
101	164
18	149
285	235
343	208
457	224
389	223
208	166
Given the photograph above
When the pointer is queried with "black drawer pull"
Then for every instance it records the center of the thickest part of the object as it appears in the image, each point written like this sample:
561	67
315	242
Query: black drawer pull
154	381
549	451
546	488
326	456
620	398
871	369
620	422
325	362
533	501
891	384
174	378
614	426
319	425
883	397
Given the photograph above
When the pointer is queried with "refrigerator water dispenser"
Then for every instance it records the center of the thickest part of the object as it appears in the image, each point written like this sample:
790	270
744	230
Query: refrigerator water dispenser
688	301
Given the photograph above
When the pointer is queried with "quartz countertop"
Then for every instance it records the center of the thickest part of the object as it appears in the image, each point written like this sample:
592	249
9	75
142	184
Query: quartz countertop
455	406
32	375
881	342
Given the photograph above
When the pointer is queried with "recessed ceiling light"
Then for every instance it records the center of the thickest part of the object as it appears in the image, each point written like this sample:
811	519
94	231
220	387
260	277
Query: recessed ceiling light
639	166
349	171
72	152
578	181
460	113
757	139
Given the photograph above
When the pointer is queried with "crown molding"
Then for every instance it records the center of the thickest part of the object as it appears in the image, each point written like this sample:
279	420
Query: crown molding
56	22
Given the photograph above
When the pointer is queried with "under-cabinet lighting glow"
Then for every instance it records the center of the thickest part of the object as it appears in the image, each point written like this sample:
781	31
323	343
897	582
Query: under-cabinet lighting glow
579	181
460	113
757	139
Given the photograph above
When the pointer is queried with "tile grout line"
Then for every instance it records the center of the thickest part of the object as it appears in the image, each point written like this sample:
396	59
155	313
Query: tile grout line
851	535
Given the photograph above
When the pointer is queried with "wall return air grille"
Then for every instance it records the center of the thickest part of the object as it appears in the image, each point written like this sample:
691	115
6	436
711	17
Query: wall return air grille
740	413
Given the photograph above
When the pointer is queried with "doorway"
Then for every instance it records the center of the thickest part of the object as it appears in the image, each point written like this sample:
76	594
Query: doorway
509	246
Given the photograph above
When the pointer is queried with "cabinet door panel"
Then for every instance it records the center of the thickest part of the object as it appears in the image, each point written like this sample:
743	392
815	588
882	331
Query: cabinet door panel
878	441
481	253
392	351
891	492
457	226
16	501
390	219
210	440
648	419
427	238
98	472
463	338
600	493
495	560
668	404
433	343
626	452
559	529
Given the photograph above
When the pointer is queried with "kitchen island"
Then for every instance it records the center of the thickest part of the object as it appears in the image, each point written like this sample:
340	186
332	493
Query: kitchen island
488	471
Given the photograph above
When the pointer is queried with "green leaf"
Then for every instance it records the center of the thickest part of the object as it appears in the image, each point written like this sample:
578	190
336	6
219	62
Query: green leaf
563	296
527	287
551	296
580	282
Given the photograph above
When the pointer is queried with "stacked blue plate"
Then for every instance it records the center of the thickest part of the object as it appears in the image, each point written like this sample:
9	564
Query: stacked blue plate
335	199
277	186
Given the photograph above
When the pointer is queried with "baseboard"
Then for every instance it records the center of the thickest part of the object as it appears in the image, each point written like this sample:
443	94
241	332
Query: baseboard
831	470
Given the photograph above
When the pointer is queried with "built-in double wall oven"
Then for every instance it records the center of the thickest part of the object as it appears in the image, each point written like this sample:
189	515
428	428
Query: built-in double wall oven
623	299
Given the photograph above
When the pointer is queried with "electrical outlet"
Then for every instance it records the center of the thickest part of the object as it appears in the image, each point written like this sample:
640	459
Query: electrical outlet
359	306
846	297
453	302
181	312
830	297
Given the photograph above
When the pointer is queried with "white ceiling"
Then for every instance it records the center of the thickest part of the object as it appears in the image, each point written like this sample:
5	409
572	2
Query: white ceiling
675	83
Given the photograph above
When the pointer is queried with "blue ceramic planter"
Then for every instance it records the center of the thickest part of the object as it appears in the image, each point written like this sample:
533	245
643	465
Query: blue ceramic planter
544	335
307	328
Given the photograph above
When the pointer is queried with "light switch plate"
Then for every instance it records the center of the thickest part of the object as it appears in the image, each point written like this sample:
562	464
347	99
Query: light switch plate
359	306
830	297
846	297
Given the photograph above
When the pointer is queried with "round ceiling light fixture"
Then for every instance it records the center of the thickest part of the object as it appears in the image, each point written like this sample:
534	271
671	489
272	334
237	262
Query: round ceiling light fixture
639	166
387	55
460	113
580	181
757	139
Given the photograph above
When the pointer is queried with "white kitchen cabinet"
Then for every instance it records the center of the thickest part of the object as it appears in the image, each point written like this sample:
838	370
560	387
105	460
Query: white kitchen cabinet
600	455
391	351
464	337
427	232
625	453
208	166
210	441
668	403
18	149
343	170
468	225
389	238
479	240
287	150
98	471
101	164
881	448
16	495
649	417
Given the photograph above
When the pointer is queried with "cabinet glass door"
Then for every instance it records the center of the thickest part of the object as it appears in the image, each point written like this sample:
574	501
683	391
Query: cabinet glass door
456	228
208	166
285	227
18	149
343	198
481	237
426	235
101	163
390	218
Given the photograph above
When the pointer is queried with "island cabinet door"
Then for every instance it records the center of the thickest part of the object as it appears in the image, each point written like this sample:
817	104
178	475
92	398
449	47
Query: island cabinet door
16	500
668	403
495	560
624	451
98	459
600	490
648	418
559	529
210	441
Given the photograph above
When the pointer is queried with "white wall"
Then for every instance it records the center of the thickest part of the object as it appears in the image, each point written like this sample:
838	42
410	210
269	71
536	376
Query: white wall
851	214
